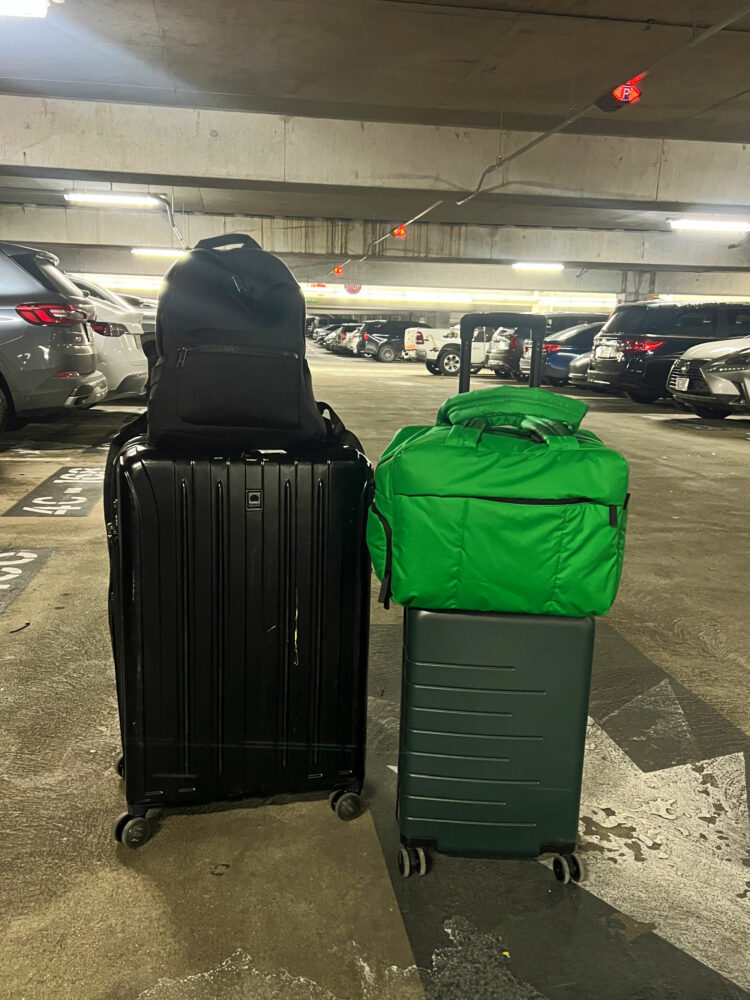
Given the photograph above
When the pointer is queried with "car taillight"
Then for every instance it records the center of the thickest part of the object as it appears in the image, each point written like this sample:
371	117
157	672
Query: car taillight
547	348
343	336
56	314
365	336
630	345
512	342
419	339
109	329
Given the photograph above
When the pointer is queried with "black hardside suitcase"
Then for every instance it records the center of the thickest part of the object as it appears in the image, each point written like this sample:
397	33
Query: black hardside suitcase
493	726
239	611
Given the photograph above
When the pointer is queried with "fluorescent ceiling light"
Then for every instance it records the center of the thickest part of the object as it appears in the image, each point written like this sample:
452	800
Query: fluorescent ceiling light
24	8
535	265
113	198
711	225
157	252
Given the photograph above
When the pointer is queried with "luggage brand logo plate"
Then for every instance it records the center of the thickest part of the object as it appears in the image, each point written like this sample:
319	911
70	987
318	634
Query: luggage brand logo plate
253	499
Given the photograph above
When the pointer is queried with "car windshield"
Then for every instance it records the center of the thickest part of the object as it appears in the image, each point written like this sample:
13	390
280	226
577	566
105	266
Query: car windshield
566	336
640	320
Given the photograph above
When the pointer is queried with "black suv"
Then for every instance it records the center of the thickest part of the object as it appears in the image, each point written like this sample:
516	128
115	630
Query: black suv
383	339
639	343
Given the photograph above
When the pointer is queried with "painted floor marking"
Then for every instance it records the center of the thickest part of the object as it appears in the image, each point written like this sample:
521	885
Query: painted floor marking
70	492
17	569
670	849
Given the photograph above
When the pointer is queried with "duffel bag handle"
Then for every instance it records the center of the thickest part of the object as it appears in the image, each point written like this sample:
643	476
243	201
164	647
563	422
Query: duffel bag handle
549	432
228	240
511	406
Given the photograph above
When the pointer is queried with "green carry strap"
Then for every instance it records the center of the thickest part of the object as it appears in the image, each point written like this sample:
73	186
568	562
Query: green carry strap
513	406
554	435
549	419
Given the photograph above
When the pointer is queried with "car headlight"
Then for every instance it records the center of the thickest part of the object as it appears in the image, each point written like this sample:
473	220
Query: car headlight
731	365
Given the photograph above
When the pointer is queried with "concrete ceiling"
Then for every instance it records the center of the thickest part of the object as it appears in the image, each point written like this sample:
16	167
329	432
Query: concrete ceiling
456	62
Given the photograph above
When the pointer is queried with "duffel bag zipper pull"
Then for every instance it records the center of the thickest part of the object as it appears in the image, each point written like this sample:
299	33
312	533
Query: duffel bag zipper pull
181	357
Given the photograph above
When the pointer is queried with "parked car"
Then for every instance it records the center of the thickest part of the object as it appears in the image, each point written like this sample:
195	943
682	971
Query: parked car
117	338
578	369
414	338
426	344
321	332
637	346
47	356
147	309
355	342
558	350
313	322
336	340
506	349
713	380
384	338
448	360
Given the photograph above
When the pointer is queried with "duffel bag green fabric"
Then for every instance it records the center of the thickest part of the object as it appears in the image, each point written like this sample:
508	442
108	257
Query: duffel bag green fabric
504	505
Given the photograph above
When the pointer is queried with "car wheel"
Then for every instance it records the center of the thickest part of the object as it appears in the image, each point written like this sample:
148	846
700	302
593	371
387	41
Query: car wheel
499	373
449	363
6	410
709	413
8	419
520	377
386	354
642	395
558	382
432	368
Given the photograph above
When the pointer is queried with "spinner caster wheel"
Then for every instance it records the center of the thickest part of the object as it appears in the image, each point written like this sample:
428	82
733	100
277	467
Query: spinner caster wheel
412	861
567	868
346	805
120	766
131	831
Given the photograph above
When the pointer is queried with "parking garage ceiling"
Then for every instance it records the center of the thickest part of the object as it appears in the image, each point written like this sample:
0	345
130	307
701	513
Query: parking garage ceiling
454	62
315	77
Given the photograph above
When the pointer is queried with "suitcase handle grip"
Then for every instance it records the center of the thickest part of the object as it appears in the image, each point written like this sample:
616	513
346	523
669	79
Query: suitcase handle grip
509	405
227	240
548	432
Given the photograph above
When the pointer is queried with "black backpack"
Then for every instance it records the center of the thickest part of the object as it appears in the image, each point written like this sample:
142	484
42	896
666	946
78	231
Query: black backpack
230	335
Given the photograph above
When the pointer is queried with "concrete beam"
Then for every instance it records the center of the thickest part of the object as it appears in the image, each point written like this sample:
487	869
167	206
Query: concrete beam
431	274
140	142
336	239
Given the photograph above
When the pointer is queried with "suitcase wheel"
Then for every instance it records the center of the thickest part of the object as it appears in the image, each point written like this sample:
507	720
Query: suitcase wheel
412	860
120	766
131	831
567	868
346	805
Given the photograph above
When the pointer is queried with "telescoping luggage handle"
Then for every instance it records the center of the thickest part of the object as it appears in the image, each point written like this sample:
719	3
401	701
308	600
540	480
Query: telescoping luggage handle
471	321
543	415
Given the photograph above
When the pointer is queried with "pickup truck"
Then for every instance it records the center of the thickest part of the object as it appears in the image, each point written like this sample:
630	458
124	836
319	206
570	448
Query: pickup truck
440	349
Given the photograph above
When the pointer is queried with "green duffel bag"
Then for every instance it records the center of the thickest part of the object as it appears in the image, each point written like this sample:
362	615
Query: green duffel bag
505	505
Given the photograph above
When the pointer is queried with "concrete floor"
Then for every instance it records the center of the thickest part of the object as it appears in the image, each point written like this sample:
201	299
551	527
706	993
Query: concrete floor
279	900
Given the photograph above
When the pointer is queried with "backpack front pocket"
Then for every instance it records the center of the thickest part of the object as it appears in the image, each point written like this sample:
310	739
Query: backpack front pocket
223	385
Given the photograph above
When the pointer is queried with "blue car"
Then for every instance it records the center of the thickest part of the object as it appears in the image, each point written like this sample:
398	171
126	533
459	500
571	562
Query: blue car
559	350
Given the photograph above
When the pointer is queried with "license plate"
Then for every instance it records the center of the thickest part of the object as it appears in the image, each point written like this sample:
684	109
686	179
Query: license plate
681	384
605	351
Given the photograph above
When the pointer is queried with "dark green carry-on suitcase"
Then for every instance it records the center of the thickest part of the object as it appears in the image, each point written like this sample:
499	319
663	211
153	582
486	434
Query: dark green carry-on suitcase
493	724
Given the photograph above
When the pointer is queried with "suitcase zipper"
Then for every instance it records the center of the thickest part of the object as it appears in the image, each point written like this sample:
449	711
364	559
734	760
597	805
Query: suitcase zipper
553	502
251	352
384	597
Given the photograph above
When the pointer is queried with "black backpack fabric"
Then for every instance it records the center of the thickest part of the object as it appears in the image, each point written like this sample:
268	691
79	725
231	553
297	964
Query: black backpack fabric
231	371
